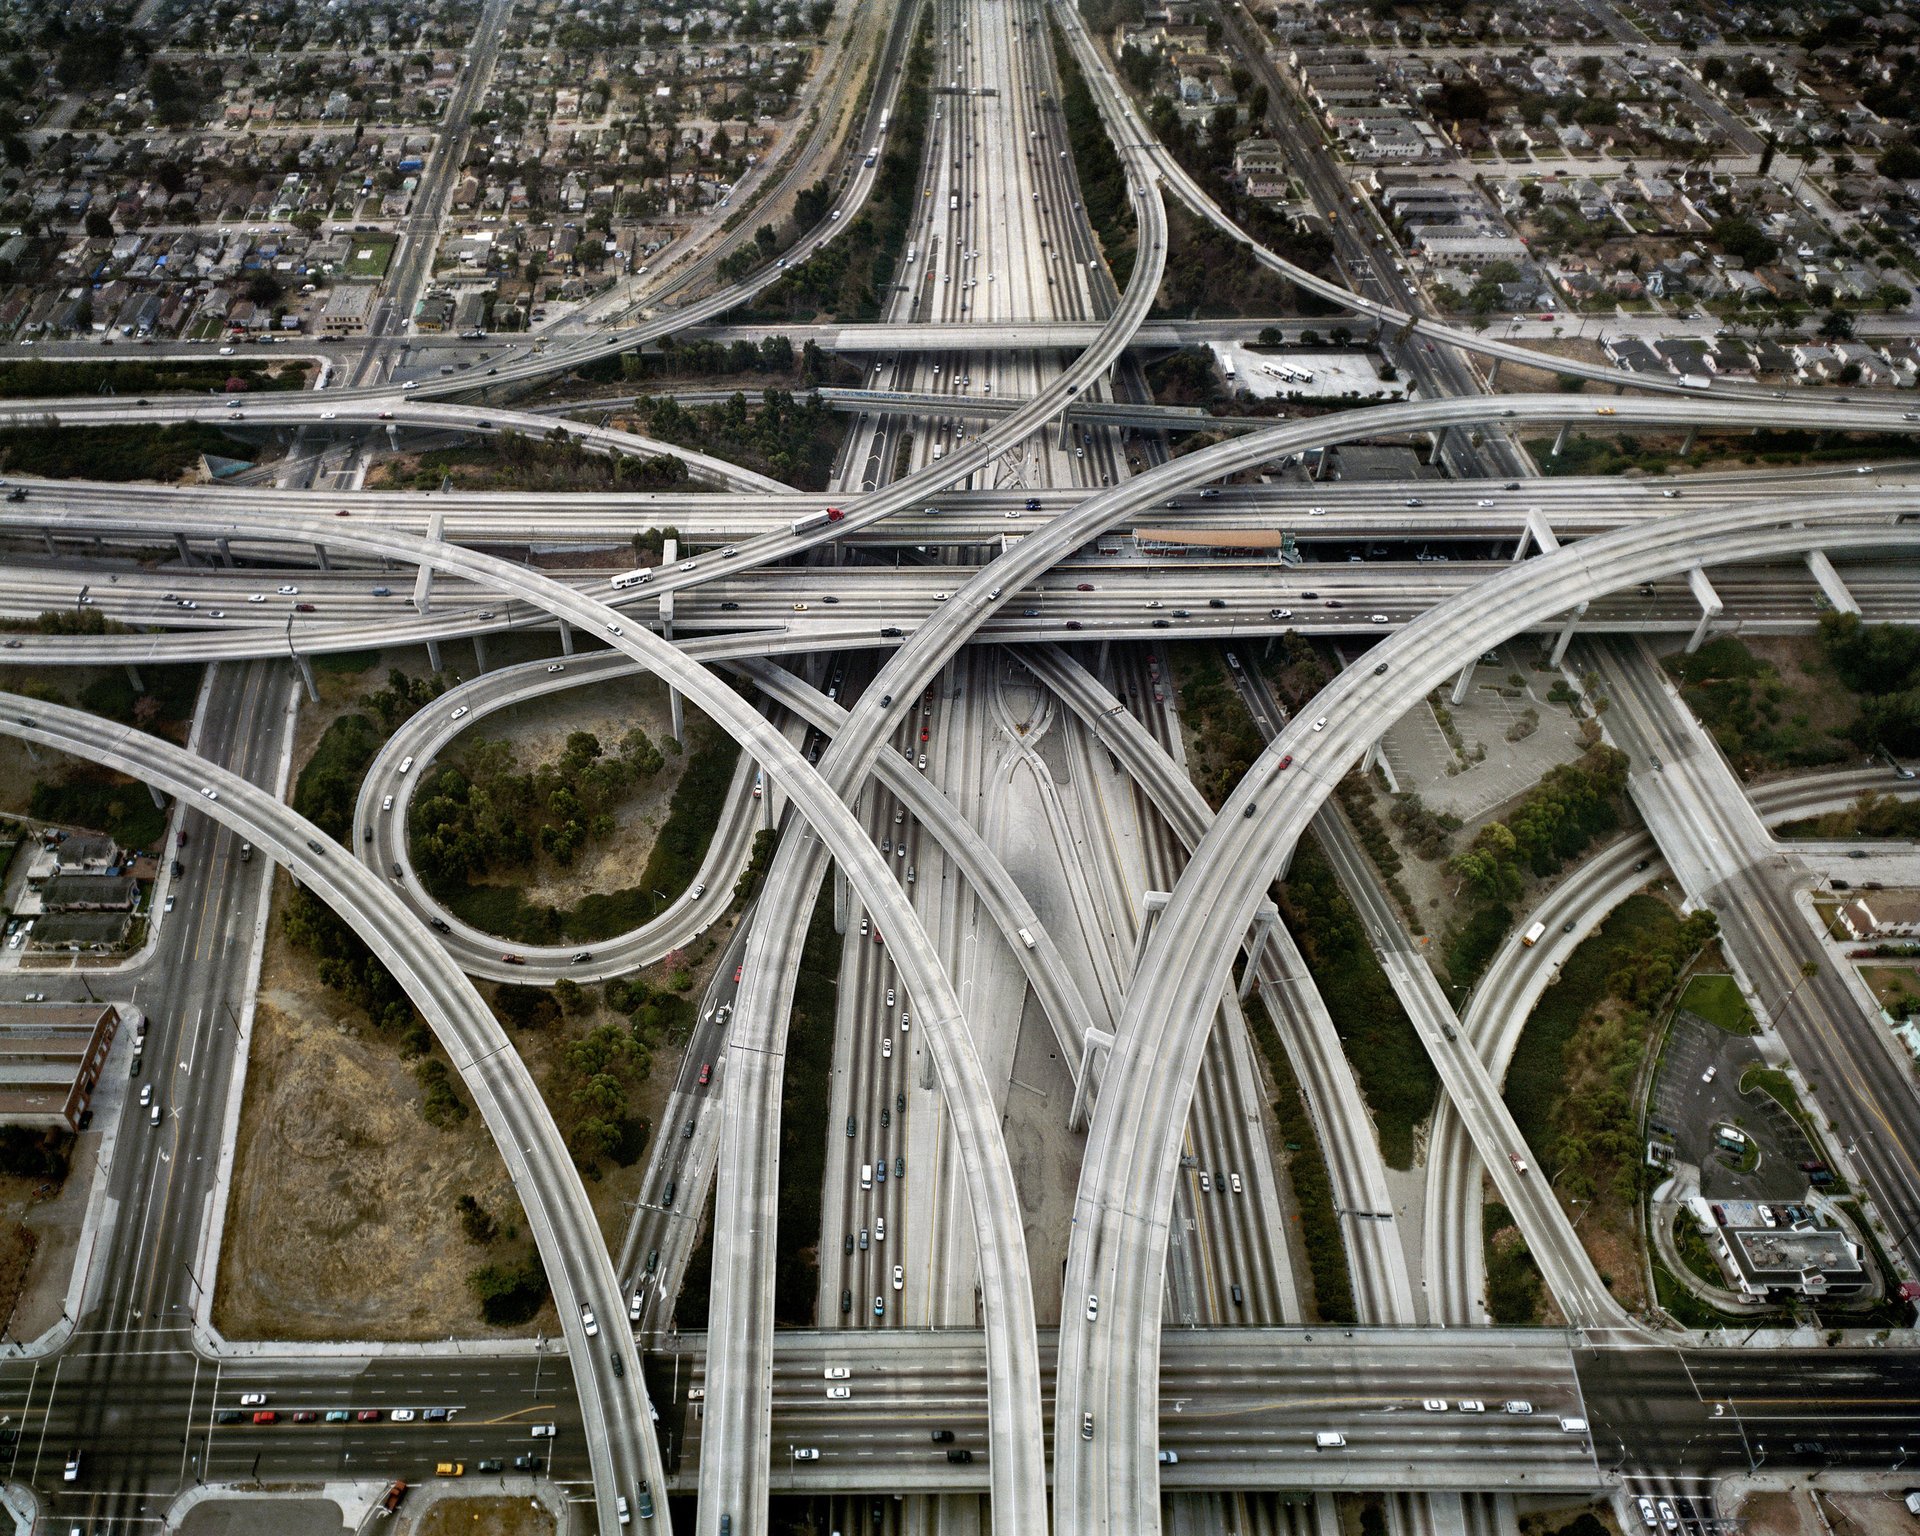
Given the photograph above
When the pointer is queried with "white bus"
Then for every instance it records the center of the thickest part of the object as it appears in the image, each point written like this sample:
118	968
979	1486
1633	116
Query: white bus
632	578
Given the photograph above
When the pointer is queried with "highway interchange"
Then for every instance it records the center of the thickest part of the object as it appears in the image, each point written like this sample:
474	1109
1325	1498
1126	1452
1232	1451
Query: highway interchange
962	659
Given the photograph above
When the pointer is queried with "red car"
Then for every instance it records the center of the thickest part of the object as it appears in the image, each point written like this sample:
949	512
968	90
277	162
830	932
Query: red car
306	1416
738	972
513	959
1085	586
706	1073
266	1416
924	733
1287	761
368	1415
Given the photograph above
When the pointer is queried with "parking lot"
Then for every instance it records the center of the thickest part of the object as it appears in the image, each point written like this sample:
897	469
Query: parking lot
1691	1109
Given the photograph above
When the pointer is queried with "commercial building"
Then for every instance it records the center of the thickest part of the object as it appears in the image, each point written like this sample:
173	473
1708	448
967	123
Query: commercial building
51	1057
348	310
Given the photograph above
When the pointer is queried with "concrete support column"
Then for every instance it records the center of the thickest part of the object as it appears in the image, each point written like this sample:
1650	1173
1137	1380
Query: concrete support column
433	656
306	677
1560	438
1493	374
320	553
1544	538
46	537
1830	582
225	546
566	638
1686	447
1370	757
180	548
423	578
153	790
1565	637
679	715
133	678
842	913
1461	684
1257	937
1100	660
1152	904
479	652
1710	606
1095	1052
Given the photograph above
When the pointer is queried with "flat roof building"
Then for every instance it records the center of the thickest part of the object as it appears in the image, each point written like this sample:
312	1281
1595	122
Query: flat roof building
51	1056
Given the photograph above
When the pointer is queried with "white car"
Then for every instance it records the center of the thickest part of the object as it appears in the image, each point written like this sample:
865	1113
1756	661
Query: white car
1376	618
247	1399
587	1322
557	666
543	1431
806	1453
941	597
889	997
1234	1180
839	1373
899	1277
210	792
1206	1182
386	802
1435	1405
1709	1075
839	1394
402	1416
459	714
288	591
1093	1307
1647	1517
633	1307
886	1047
1320	724
880	1222
258	597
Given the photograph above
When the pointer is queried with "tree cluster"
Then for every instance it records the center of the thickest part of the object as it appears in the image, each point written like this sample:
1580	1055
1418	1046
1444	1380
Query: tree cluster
1881	662
1571	806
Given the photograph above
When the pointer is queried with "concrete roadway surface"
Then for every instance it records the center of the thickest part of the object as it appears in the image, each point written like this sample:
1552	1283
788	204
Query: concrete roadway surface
1575	506
1722	855
145	1283
1118	1251
742	1304
1505	998
386	797
1239	1405
310	409
755	615
562	1223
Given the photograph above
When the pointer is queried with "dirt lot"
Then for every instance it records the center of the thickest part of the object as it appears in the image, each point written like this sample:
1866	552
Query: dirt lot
1845	1514
342	1222
484	1517
539	730
1515	379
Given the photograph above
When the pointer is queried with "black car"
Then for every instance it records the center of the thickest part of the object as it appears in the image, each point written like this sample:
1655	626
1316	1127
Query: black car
960	1453
943	1437
440	925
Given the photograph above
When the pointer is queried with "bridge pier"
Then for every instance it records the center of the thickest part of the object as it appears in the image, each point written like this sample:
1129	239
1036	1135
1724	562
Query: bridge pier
1686	447
1152	904
1493	374
678	705
306	678
566	638
479	652
433	655
133	678
1560	438
1257	938
180	548
423	578
320	552
1565	637
1098	1046
1830	582
153	790
669	553
1544	538
1462	683
842	913
1710	606
46	537
225	546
